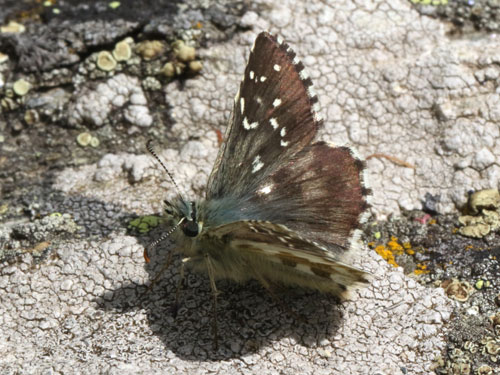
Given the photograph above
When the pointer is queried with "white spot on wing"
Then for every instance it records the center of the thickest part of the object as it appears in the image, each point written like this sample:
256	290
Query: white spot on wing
284	143
263	78
242	105
303	75
283	131
279	40
265	190
251	74
276	102
296	60
277	67
248	126
274	123
257	164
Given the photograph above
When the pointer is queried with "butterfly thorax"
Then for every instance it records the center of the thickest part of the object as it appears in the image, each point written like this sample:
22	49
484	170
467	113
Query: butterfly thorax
193	217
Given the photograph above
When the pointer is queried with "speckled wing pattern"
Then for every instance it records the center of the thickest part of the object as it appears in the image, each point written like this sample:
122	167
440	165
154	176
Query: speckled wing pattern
272	120
301	202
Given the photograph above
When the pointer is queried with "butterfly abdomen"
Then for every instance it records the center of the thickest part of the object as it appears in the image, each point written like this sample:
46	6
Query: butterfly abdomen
226	263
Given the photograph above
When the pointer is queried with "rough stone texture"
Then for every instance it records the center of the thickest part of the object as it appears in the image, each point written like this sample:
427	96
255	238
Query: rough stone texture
82	309
93	107
389	81
61	48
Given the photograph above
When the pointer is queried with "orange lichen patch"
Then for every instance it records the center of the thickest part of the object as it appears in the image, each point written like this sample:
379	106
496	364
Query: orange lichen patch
386	254
432	222
392	249
198	25
394	245
408	248
421	269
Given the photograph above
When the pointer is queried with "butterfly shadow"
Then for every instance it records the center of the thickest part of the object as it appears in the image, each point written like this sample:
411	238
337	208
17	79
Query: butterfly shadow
248	316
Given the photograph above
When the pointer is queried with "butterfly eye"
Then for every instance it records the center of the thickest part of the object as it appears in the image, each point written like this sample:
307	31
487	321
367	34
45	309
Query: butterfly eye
190	228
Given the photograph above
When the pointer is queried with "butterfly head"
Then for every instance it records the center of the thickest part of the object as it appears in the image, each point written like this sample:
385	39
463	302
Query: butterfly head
184	215
179	212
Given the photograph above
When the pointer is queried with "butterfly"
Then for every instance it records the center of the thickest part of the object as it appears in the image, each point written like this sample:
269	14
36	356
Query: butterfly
279	208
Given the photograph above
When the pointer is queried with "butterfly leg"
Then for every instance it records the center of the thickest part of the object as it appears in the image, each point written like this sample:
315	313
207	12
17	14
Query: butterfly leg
175	308
215	292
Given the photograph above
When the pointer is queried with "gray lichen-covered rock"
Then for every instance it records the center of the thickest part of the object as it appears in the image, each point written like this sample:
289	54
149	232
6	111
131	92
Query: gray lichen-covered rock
94	106
87	296
41	48
389	81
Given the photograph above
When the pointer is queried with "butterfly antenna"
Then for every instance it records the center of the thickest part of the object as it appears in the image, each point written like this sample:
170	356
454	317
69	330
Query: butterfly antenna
149	146
155	243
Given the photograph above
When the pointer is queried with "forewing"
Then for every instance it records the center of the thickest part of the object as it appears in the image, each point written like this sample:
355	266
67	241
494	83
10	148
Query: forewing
290	252
273	118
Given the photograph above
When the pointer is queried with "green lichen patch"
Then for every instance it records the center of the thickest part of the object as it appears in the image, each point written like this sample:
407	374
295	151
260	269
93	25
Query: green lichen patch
144	224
